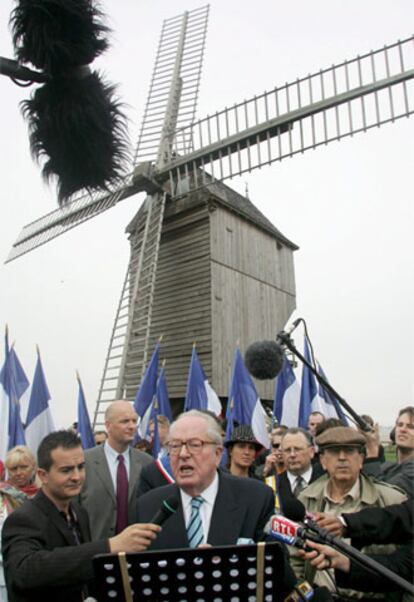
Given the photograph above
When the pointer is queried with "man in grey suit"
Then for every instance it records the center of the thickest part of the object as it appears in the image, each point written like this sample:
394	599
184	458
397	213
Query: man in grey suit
212	507
112	474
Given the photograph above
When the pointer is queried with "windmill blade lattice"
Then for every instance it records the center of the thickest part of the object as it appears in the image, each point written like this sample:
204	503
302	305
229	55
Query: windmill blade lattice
173	94
333	103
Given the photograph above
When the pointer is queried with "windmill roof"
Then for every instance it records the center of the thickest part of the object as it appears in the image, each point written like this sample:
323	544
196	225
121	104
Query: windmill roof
232	200
244	207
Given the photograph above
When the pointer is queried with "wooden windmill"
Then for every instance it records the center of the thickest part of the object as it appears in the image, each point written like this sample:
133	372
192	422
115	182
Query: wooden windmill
200	252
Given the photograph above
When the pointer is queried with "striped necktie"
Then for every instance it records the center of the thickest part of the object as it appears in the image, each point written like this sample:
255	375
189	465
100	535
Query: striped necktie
299	485
195	533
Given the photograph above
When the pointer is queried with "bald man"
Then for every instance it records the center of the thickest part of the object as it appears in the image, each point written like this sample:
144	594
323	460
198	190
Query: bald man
112	474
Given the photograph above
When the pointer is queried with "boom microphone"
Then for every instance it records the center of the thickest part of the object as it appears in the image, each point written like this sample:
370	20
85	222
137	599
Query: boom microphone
264	359
168	508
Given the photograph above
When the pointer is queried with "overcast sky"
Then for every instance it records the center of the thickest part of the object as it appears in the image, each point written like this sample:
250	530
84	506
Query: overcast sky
348	205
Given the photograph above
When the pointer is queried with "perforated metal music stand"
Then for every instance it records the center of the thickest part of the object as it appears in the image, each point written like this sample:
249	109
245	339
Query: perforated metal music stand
247	573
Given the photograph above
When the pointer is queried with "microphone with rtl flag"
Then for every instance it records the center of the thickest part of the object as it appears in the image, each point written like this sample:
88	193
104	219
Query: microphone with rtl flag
286	531
289	532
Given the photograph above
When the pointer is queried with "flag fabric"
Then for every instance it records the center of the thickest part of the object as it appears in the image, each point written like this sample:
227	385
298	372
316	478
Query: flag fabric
200	395
84	424
13	383
244	405
287	396
160	407
39	421
146	393
164	406
327	403
4	404
156	444
309	390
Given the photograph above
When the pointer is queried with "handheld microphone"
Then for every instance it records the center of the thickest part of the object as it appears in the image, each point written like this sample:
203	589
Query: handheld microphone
289	532
168	508
285	531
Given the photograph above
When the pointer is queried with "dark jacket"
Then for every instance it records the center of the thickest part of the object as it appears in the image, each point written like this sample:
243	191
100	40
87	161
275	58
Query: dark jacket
150	478
392	524
241	510
40	555
401	475
365	580
284	489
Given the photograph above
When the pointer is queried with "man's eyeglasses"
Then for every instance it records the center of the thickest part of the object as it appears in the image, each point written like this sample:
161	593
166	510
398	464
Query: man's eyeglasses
194	446
295	450
276	445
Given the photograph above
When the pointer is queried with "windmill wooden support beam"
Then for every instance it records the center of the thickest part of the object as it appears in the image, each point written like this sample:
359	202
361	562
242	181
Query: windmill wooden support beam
275	127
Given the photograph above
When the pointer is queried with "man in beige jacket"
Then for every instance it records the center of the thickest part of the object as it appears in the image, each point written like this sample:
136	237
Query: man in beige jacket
343	489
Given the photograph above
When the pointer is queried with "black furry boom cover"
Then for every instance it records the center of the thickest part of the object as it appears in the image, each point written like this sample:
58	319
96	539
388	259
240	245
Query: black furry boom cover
77	124
55	35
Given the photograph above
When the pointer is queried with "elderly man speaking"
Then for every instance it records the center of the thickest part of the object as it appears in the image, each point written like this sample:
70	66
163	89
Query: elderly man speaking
214	507
343	489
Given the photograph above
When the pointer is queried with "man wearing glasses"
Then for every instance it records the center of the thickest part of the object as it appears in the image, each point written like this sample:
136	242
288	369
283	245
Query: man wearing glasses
343	489
213	507
298	451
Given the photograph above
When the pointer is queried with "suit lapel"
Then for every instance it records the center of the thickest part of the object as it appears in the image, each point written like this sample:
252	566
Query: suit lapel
102	471
49	509
227	516
134	470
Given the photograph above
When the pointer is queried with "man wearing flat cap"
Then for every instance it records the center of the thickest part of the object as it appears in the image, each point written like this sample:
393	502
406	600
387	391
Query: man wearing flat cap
344	488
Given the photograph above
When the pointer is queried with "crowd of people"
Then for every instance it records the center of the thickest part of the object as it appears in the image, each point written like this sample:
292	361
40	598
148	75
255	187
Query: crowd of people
59	511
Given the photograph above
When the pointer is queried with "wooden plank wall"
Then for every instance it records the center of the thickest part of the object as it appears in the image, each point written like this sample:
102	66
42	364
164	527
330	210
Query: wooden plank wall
182	306
253	291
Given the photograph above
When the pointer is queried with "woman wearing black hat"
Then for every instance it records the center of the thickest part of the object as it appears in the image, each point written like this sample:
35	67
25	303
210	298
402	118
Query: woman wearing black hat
242	450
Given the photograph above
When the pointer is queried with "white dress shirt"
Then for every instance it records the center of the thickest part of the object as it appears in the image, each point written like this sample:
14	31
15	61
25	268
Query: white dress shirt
206	509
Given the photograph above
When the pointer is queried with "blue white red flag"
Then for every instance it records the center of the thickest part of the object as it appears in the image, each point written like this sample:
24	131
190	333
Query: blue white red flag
39	421
327	403
244	405
146	393
13	383
309	390
200	395
287	396
84	424
164	406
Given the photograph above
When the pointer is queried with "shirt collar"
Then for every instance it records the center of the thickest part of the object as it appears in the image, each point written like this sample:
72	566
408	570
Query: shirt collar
209	494
113	454
306	476
354	493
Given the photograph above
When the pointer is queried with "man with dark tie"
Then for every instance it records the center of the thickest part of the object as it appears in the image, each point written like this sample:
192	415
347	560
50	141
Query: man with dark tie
112	474
214	507
298	451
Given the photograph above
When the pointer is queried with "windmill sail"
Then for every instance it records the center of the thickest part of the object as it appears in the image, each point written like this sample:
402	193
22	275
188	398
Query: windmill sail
351	97
328	105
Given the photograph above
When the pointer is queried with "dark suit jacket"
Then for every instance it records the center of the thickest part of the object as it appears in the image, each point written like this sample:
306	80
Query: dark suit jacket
98	494
284	489
241	510
41	558
150	478
401	562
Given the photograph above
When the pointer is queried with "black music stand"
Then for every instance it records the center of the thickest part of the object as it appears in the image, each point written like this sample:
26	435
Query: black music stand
244	573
